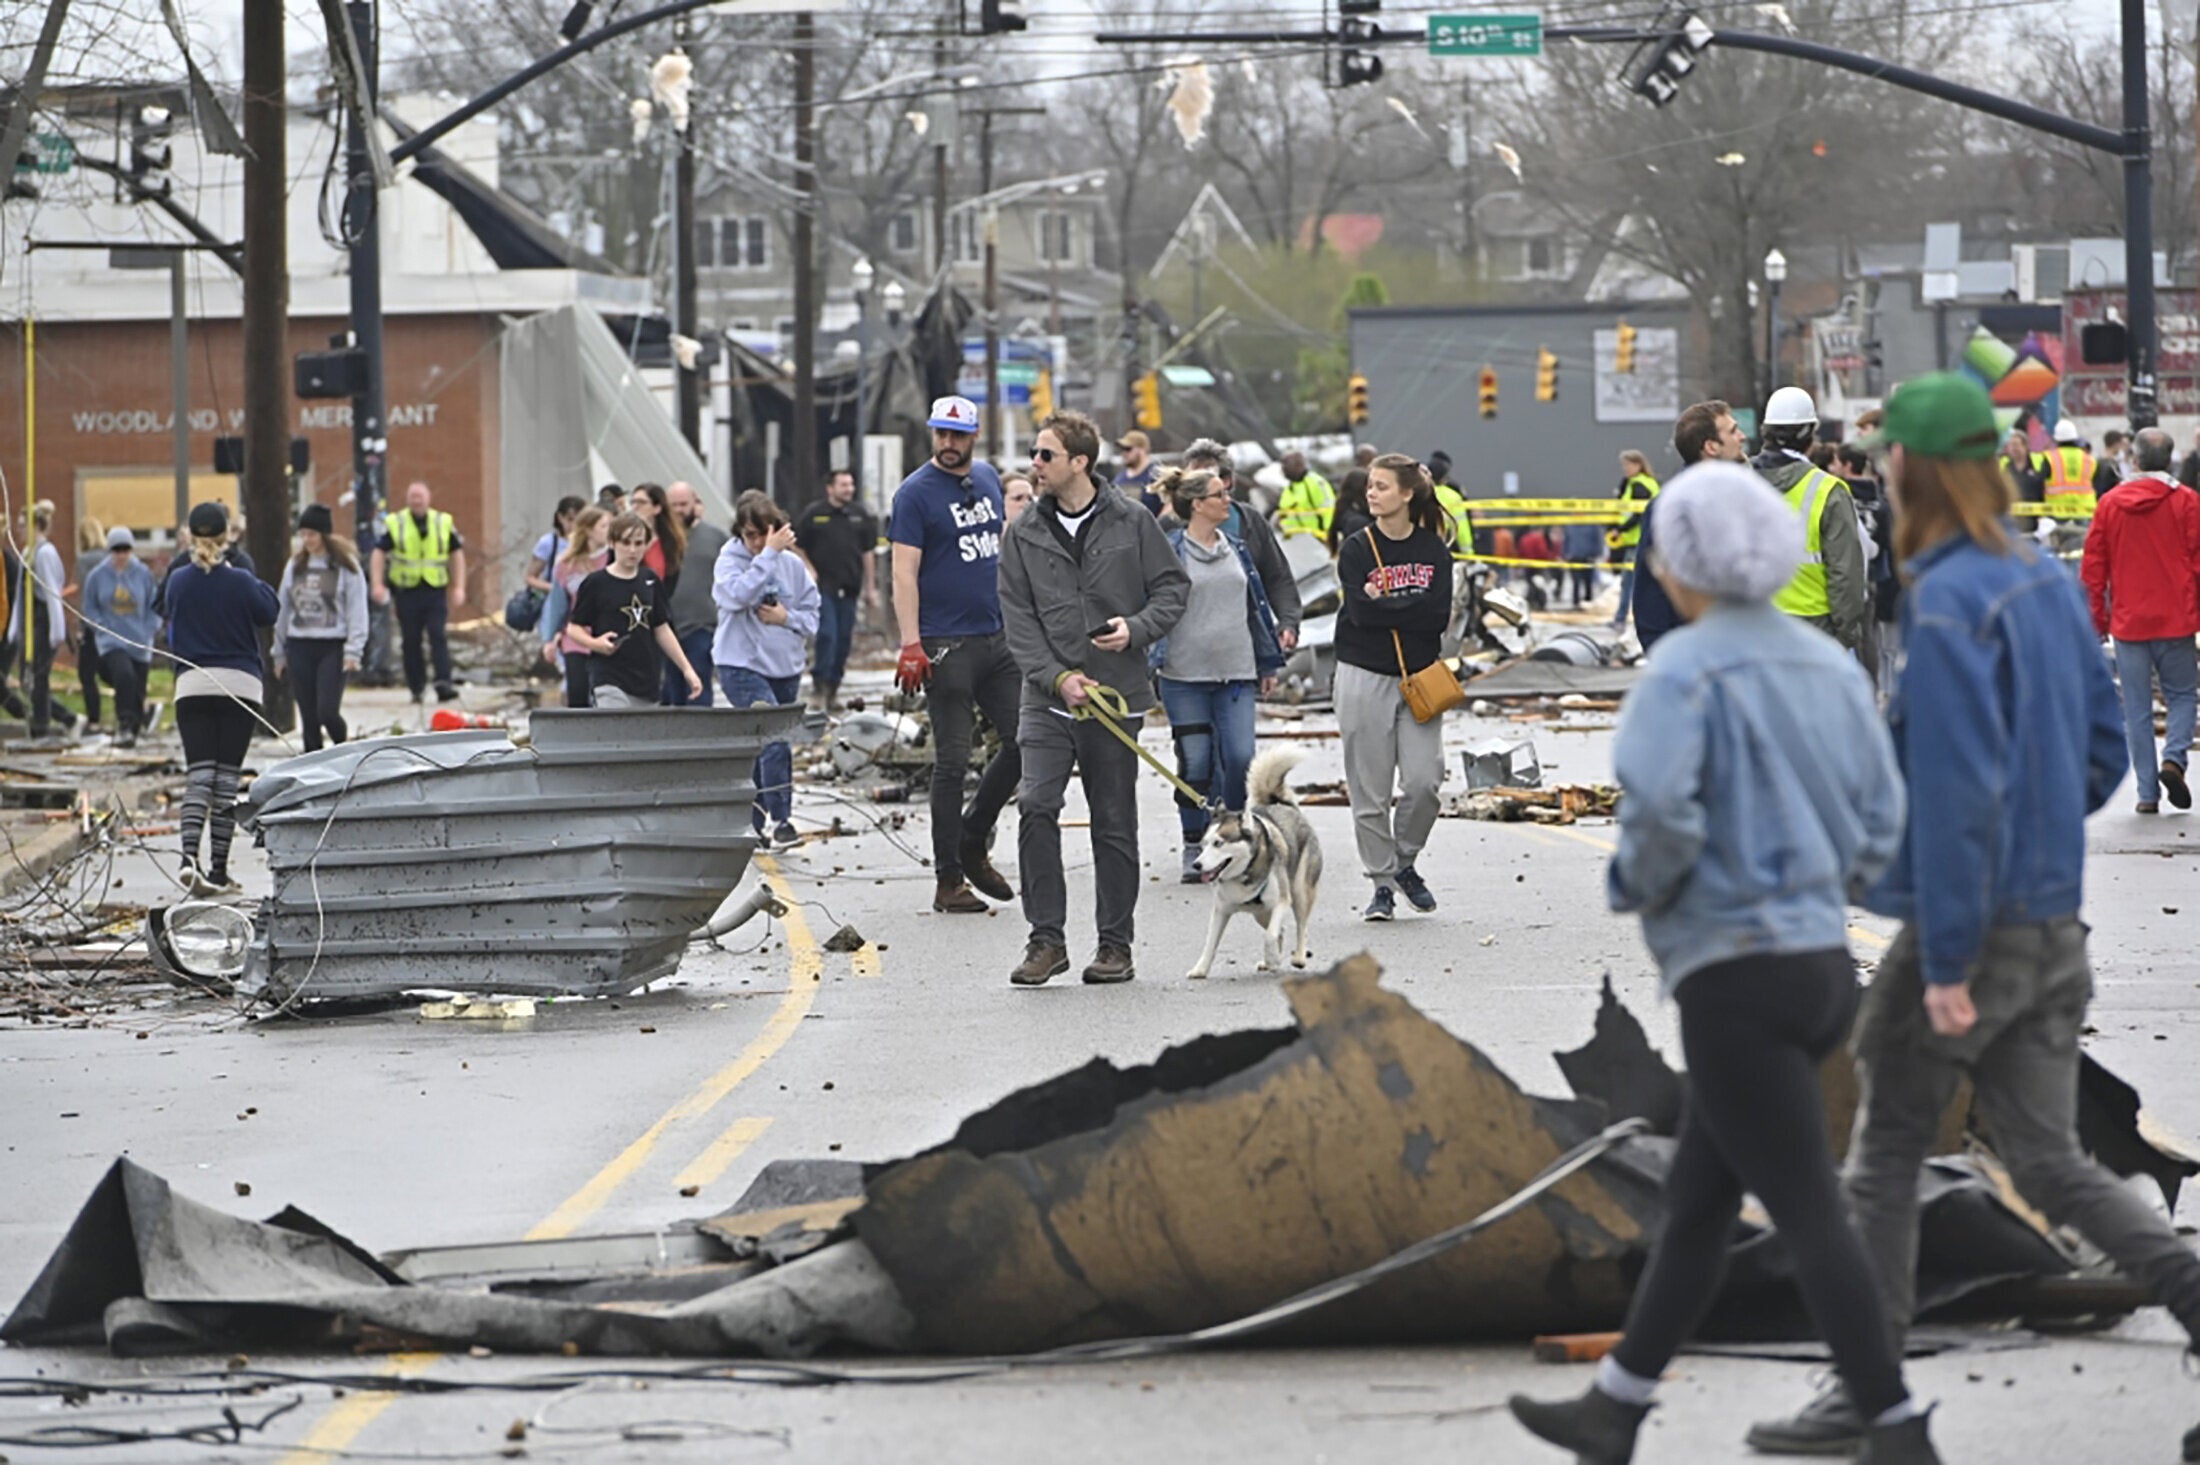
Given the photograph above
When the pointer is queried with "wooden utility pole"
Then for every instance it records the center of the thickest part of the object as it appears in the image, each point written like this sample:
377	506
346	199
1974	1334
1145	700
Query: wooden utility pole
990	222
266	497
805	259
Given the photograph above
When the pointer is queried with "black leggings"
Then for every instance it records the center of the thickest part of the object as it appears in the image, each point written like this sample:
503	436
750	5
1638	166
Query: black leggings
316	669
1754	1031
217	732
580	688
88	672
127	676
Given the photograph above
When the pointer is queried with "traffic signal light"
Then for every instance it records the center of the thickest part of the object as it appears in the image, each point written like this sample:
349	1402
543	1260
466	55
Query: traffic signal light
1355	401
146	167
1623	350
1546	375
1147	395
1655	68
1489	391
1353	64
1042	395
997	17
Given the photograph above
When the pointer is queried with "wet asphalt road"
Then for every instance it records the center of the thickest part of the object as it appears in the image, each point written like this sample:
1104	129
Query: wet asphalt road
593	1116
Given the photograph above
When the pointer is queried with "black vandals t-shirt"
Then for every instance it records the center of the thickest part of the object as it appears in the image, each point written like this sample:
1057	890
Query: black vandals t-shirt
630	610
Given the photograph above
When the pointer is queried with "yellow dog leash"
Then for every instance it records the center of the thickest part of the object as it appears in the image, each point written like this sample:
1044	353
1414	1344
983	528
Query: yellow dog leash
1110	709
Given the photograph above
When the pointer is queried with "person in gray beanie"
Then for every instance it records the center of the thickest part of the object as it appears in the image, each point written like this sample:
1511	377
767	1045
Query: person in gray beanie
1759	793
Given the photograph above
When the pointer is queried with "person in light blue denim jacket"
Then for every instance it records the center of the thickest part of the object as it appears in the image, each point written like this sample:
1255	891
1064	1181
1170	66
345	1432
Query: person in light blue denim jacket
1758	792
2010	732
768	606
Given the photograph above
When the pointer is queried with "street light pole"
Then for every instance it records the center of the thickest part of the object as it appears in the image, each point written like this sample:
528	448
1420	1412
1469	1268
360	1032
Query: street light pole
1776	273
362	225
2141	329
861	275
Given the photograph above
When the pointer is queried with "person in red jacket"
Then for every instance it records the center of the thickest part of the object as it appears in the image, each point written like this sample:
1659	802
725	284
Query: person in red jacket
2142	573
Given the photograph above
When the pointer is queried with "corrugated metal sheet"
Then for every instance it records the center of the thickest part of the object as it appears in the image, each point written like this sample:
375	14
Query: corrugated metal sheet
580	861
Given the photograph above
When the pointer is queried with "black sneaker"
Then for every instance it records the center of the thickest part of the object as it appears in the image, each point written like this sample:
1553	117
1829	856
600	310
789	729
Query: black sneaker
1383	907
1827	1425
2173	784
1415	889
1598	1428
1907	1443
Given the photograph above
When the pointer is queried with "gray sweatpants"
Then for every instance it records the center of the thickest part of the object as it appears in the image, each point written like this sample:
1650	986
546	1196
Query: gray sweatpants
2031	987
1386	751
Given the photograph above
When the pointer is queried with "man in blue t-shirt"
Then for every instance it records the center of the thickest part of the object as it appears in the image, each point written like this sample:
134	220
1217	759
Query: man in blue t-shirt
945	529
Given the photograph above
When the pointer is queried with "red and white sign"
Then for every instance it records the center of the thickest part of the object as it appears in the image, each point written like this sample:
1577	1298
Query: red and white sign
2098	390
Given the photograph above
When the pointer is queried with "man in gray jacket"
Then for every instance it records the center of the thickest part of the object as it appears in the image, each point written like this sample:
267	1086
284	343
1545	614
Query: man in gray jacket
1088	582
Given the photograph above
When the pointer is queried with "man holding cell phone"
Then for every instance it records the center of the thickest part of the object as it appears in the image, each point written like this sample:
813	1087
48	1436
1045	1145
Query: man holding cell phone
1088	582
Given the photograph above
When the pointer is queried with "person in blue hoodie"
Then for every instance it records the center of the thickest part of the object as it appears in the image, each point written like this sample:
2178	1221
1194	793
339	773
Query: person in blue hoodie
216	611
768	606
2010	734
1760	793
118	606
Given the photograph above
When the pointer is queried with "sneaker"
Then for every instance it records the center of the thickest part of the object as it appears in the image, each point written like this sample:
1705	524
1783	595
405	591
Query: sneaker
1415	889
1827	1425
1598	1428
1907	1443
1113	964
1042	959
2148	806
2192	1443
955	898
1383	907
2173	784
977	868
445	693
786	836
1191	874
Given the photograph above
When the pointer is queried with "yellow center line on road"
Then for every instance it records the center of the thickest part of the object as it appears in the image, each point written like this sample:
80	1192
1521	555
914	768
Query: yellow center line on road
806	966
723	1151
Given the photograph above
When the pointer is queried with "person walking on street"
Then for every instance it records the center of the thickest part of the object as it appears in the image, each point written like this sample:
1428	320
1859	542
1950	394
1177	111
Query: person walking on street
49	624
1140	472
1759	788
1088	584
1255	533
667	535
839	537
420	562
1582	545
118	610
1016	496
690	606
1308	501
1352	516
2016	461
1638	488
91	552
767	610
618	616
215	612
2142	573
1831	589
321	629
1705	432
945	528
555	540
2067	470
1397	577
1219	658
2005	724
589	551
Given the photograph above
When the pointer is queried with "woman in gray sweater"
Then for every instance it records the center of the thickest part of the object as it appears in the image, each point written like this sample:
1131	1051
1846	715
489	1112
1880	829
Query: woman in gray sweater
1219	658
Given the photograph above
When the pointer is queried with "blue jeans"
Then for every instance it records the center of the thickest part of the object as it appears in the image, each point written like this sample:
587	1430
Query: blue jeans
697	646
836	632
775	764
1626	595
1212	723
2138	663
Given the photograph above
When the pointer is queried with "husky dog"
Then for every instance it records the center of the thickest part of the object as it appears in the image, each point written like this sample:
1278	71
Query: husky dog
1265	860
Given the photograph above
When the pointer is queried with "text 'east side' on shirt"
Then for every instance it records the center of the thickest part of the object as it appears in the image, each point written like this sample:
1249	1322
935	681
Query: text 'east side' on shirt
631	610
956	520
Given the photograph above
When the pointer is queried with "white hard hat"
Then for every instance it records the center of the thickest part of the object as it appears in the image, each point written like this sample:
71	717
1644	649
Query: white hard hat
1790	407
2066	431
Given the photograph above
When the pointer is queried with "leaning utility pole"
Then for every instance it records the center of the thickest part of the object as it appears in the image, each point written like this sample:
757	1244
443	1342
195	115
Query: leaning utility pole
805	257
683	255
266	496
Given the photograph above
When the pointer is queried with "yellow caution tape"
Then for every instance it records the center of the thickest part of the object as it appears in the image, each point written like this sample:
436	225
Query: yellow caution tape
2081	508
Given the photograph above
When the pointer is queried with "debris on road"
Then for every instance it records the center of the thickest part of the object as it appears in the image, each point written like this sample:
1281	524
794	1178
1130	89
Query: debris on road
846	939
478	1009
1503	763
1561	805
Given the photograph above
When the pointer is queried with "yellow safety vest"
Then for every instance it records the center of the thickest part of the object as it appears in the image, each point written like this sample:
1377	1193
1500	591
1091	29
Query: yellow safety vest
1307	507
1454	505
2068	474
1806	594
1640	488
418	558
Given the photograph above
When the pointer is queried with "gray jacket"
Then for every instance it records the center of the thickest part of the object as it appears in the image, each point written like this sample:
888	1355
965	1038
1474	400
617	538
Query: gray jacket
1840	545
1051	598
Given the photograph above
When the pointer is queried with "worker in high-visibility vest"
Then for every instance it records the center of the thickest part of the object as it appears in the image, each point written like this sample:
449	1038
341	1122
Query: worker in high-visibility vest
1832	589
420	563
1636	489
2067	470
1308	502
1452	502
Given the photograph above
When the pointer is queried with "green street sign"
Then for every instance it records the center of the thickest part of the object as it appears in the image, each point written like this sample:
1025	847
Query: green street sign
1018	373
1485	35
46	152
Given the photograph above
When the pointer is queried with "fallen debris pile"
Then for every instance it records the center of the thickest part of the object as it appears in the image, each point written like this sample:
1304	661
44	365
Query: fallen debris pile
1561	805
1235	1172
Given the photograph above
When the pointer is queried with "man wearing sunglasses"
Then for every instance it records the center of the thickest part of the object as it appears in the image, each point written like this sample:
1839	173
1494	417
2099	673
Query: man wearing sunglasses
1088	582
945	528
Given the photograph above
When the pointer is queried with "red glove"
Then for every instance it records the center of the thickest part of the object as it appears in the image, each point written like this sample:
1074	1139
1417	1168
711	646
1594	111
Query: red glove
914	669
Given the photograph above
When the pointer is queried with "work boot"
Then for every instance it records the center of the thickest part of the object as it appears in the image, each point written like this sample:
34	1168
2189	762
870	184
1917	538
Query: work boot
1415	890
1113	964
2173	784
1042	959
977	865
1598	1428
1191	874
2148	806
1907	1443
956	898
1827	1425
